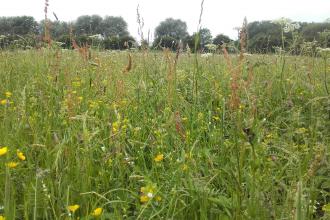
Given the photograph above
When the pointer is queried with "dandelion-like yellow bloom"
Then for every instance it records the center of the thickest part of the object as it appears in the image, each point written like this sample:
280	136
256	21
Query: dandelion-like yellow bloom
158	198
2	218
8	94
3	102
73	208
20	155
12	164
97	212
159	157
3	151
144	198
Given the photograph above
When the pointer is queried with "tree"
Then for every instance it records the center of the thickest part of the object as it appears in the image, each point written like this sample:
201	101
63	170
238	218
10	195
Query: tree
174	28
88	25
264	36
205	37
310	31
221	39
19	25
199	40
57	29
114	26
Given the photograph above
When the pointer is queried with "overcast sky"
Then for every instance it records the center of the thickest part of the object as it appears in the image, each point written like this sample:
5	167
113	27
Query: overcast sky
220	16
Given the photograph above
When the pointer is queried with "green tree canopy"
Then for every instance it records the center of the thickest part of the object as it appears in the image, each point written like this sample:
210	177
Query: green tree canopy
88	25
174	28
114	27
18	25
201	40
221	39
57	28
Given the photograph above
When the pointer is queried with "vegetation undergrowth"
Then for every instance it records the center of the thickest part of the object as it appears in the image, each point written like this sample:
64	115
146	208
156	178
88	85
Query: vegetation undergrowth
144	135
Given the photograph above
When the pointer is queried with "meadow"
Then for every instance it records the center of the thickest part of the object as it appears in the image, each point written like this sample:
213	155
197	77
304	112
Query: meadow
163	135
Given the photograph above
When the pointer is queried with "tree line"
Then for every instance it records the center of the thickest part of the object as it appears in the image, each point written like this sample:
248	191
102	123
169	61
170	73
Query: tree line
111	32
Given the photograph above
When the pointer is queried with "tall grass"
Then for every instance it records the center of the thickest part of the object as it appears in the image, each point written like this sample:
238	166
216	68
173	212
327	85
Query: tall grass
124	133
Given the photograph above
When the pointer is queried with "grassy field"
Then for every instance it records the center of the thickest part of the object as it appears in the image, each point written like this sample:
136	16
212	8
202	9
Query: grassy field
163	137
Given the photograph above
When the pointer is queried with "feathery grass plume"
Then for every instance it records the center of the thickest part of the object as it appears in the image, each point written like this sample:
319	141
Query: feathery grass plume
317	162
249	77
83	51
171	74
47	38
140	21
120	89
55	16
70	104
179	126
234	83
129	65
243	39
55	66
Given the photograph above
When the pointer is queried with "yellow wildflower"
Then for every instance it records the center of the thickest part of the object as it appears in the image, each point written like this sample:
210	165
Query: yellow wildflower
301	130
3	151
73	208
20	155
216	118
97	212
158	198
326	208
147	193
159	157
137	129
11	164
200	116
76	84
148	189
269	136
115	126
2	218
144	198
3	102
8	94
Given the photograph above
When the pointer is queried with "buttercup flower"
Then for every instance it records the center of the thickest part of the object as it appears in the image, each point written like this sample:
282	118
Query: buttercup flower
97	212
8	94
73	208
12	164
3	151
20	155
144	199
3	102
147	193
159	157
